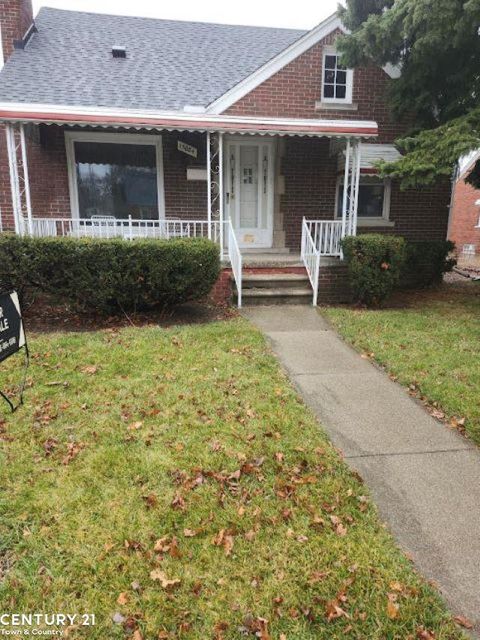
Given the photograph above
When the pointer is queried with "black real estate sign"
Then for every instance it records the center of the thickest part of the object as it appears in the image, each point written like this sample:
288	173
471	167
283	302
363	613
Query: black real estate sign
12	334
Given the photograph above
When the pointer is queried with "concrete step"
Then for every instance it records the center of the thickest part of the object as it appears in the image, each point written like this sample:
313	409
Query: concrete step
277	295
274	280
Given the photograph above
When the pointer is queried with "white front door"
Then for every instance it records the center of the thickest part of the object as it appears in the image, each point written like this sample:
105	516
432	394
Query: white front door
249	173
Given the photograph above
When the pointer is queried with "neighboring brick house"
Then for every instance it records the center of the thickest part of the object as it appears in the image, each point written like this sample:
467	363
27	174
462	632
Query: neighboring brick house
133	126
464	227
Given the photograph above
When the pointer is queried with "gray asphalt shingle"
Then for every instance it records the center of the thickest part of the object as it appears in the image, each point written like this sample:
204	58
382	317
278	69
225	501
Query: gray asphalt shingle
169	64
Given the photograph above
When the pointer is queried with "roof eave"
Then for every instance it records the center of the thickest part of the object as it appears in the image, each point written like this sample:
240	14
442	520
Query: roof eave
173	121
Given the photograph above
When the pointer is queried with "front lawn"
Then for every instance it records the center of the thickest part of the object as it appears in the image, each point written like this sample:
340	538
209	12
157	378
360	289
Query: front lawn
170	482
431	344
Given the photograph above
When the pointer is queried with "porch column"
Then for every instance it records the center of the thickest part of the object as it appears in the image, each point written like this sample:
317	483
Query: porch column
209	187
215	186
19	177
345	188
13	171
26	179
220	188
356	180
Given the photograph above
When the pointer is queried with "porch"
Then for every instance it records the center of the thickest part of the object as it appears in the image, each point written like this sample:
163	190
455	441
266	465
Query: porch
242	184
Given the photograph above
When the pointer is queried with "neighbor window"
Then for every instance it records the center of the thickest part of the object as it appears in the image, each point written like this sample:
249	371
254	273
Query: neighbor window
373	198
114	176
337	79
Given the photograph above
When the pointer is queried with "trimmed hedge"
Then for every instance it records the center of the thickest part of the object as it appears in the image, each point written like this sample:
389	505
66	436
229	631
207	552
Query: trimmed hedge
374	265
426	262
110	275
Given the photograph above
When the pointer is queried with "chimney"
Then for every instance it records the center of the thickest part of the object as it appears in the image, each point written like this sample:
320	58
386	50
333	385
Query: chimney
16	21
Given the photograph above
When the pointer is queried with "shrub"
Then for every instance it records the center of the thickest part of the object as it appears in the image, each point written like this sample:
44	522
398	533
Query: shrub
426	262
374	265
110	275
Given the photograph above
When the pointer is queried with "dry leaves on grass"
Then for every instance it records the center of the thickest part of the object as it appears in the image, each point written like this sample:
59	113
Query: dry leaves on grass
169	545
166	583
90	369
73	449
392	606
224	538
463	622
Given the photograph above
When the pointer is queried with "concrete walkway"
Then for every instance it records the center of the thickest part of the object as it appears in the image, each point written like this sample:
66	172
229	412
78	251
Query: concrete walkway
424	478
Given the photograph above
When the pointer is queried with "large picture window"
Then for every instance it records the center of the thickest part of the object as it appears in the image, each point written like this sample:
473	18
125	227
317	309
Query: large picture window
116	175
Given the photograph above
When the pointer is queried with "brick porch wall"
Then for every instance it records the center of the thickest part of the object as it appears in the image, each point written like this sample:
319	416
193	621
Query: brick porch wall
311	174
49	175
465	216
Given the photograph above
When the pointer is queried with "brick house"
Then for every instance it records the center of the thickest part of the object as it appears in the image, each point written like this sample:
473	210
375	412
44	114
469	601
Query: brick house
464	227
256	137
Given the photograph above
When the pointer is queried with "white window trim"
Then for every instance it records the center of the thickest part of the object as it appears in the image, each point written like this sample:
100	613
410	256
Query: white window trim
331	51
112	138
363	221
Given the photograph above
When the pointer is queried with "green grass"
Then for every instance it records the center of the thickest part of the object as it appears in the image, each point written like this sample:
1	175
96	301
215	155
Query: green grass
180	431
433	345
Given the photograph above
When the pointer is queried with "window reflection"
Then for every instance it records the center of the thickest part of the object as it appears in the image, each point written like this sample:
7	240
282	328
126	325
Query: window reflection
116	180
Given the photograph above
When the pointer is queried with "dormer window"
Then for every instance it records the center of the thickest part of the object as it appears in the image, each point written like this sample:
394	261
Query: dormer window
337	81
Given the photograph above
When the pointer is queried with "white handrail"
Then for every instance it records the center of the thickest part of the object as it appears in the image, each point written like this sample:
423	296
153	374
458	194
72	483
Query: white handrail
311	259
129	228
235	257
327	236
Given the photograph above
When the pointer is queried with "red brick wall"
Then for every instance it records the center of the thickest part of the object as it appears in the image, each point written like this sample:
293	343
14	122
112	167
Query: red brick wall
310	184
465	216
294	90
16	17
184	198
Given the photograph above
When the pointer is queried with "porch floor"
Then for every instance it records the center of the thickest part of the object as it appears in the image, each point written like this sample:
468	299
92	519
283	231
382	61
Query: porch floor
280	259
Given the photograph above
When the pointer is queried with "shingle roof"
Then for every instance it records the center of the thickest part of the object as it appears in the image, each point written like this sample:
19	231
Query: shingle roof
169	64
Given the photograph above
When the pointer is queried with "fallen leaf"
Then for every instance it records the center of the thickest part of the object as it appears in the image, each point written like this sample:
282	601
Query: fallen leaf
463	622
189	533
90	369
224	539
162	545
137	635
333	610
123	598
151	500
178	502
425	634
392	609
134	426
160	576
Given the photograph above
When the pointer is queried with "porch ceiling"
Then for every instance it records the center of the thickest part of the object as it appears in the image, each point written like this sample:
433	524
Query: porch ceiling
132	119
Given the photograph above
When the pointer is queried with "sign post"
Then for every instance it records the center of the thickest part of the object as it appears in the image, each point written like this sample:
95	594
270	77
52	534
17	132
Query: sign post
12	336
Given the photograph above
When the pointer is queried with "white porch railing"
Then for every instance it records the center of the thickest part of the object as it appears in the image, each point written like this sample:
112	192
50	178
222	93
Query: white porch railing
326	236
235	257
129	229
311	259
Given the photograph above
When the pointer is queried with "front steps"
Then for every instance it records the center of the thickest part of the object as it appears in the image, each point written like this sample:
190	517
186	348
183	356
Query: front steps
275	289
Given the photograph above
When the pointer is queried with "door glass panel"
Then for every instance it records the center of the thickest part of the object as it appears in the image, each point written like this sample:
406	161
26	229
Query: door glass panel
248	187
116	180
